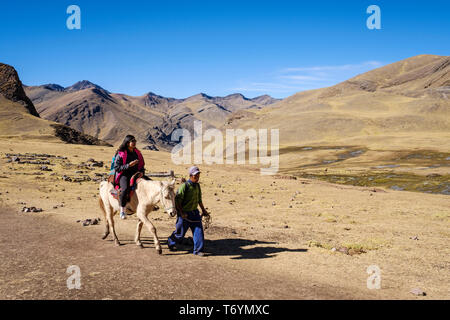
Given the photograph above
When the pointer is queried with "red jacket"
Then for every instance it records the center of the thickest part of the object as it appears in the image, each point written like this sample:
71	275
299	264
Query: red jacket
124	165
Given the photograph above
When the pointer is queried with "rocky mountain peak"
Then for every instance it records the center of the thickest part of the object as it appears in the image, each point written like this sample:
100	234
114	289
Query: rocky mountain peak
11	88
82	85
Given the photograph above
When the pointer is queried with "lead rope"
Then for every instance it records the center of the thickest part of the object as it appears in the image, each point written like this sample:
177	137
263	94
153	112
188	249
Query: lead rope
205	217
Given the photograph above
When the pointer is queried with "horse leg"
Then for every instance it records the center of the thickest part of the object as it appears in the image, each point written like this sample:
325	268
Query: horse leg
110	219
106	233
102	207
137	238
142	215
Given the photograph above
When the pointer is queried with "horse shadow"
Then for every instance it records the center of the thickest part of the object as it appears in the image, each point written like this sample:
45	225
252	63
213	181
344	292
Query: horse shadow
235	247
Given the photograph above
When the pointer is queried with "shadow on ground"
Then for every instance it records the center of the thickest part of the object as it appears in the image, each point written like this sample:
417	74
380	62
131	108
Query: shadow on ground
225	247
235	248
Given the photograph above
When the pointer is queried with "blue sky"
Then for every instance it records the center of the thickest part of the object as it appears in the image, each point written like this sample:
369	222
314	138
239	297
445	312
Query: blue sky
181	48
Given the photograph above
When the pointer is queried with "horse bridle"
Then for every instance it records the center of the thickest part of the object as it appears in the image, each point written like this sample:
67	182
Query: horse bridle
162	201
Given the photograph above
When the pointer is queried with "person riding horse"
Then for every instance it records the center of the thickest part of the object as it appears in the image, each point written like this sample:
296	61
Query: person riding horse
128	161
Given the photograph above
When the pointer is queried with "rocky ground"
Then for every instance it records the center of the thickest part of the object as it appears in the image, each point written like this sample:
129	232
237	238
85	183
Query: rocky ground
275	237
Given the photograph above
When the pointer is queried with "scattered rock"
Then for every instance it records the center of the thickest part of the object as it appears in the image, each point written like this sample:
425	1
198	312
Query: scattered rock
418	292
352	252
343	250
333	249
78	198
88	222
286	177
97	164
273	203
31	209
414	238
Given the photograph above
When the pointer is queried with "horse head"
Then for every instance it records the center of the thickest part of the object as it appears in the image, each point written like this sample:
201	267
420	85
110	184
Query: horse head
167	197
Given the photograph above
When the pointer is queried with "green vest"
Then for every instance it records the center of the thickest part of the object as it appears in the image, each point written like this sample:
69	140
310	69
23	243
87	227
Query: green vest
189	195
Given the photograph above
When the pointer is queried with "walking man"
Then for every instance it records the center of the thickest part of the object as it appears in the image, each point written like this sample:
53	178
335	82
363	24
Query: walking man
188	198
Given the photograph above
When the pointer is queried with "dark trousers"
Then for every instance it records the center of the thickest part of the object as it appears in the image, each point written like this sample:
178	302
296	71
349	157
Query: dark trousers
182	226
124	184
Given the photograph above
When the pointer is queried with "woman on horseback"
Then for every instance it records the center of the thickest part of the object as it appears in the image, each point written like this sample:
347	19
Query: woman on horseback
128	161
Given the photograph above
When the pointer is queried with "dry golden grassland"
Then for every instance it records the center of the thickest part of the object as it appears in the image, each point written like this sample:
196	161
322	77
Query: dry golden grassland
272	226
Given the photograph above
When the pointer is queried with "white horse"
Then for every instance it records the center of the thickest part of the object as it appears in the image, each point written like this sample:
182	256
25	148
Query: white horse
147	194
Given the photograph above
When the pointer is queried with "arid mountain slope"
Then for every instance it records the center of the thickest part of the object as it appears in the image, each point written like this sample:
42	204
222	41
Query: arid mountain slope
89	108
19	118
11	88
406	99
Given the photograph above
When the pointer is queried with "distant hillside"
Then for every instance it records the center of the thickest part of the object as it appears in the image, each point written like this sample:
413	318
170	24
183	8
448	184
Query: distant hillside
11	88
19	118
152	118
403	102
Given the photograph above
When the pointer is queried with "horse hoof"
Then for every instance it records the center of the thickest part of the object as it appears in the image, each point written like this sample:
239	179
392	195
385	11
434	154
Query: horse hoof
140	245
117	243
159	251
105	236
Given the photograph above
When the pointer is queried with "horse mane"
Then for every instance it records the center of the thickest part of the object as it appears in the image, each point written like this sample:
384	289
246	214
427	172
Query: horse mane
164	183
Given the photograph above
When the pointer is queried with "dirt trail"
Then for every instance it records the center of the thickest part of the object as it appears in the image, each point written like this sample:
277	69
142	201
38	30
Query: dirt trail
35	252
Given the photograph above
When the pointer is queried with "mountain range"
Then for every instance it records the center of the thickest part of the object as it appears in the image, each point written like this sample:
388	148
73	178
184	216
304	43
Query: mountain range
19	118
89	108
402	105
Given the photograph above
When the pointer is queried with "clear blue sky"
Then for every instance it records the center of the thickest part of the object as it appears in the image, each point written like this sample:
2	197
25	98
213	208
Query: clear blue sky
180	48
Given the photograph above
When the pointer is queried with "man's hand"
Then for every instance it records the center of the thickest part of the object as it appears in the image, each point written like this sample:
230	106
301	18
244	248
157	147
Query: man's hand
205	213
183	215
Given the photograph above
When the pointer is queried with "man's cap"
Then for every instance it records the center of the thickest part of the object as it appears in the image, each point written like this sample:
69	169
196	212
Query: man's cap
193	170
